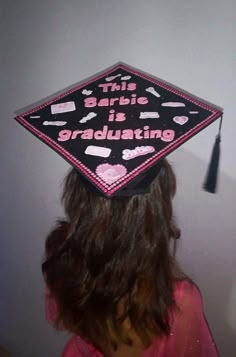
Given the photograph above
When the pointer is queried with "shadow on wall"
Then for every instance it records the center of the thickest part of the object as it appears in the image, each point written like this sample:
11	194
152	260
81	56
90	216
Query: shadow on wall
4	353
207	248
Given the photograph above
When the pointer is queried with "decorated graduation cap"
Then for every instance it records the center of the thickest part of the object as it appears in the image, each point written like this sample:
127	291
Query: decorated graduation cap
117	126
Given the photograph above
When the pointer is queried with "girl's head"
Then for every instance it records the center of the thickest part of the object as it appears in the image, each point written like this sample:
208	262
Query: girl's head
114	270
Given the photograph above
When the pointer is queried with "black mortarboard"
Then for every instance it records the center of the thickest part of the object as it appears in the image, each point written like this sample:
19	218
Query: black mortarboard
118	125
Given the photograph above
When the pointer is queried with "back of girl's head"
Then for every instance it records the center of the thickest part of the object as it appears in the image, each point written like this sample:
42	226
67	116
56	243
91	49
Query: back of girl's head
117	266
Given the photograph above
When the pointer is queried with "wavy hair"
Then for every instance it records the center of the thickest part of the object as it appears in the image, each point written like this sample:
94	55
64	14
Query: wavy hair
111	262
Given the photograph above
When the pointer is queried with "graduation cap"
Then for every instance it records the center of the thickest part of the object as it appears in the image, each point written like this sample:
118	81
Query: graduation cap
117	126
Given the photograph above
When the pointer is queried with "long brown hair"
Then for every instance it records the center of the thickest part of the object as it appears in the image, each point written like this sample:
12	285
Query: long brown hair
113	262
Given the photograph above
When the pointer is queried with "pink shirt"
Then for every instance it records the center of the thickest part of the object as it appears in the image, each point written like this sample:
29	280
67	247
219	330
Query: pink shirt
190	335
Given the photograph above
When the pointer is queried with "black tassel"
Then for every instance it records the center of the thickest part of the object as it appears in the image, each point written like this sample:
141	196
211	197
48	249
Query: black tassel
210	183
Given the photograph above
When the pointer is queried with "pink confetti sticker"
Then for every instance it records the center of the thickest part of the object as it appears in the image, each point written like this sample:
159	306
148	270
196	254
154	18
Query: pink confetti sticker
138	151
111	173
63	107
181	120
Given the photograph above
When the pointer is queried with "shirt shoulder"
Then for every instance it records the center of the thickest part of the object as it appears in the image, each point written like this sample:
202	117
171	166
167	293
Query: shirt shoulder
187	293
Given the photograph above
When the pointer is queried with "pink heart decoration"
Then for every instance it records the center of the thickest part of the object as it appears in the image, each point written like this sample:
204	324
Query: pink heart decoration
111	173
180	120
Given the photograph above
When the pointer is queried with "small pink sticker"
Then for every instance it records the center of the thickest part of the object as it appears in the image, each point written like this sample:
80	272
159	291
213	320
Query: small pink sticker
181	120
63	107
111	173
138	151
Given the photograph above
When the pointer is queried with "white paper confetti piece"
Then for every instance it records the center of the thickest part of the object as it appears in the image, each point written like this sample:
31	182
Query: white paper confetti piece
109	79
89	116
63	107
173	104
87	92
149	115
193	112
97	151
34	116
153	91
125	78
56	123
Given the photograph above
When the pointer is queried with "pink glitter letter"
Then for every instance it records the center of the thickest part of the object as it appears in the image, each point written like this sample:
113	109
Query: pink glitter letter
168	135
64	135
90	102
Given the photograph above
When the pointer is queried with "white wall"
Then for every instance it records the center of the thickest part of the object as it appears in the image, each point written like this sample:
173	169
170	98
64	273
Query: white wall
48	45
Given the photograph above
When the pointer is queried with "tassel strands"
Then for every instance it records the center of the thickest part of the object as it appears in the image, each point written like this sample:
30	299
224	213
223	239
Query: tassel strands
210	184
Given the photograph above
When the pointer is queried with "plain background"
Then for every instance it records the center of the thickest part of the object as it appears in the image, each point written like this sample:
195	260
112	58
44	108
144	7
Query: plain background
48	45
